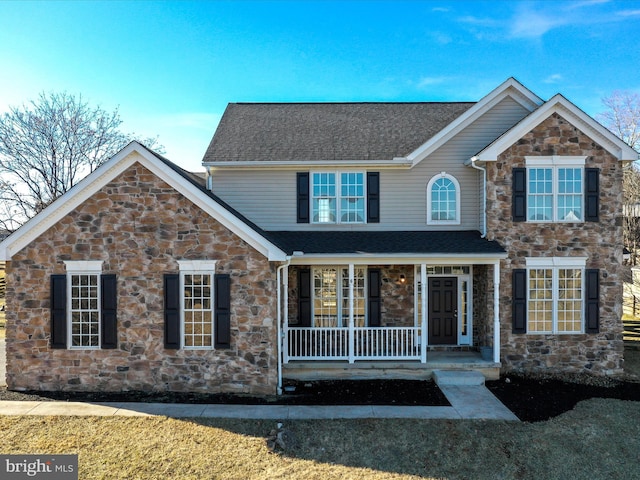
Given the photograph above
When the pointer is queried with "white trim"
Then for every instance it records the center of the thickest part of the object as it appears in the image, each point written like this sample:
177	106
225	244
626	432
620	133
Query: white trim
83	266
338	196
510	88
461	340
555	160
391	259
397	162
555	262
197	265
560	105
554	164
211	274
456	184
89	268
120	162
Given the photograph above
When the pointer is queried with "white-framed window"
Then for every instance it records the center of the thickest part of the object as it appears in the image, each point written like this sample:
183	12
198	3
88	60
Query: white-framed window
338	197
443	200
83	304
555	189
331	296
197	302
555	295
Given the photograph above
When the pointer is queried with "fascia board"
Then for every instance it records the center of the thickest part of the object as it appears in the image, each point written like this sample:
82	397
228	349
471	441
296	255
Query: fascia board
91	184
296	165
390	259
562	106
510	88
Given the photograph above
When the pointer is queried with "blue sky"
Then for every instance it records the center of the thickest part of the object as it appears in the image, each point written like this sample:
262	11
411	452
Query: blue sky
171	67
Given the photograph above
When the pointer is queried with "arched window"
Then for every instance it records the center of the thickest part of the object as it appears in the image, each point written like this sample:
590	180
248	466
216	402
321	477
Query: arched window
443	200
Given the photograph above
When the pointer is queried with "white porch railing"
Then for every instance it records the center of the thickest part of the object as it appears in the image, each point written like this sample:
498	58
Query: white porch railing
336	343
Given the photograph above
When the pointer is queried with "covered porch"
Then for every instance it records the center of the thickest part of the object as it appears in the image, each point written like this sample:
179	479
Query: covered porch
363	317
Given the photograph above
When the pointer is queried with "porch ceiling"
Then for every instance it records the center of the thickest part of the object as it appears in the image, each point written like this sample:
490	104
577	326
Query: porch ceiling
467	243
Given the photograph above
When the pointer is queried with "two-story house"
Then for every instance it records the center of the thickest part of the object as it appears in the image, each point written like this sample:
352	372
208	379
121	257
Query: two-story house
331	240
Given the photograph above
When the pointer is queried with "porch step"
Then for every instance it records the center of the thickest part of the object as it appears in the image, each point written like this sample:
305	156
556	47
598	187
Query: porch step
458	377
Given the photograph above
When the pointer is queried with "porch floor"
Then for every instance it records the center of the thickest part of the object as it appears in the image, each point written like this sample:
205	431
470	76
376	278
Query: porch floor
405	370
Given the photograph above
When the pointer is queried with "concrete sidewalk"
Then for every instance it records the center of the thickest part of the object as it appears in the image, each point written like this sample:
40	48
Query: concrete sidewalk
467	402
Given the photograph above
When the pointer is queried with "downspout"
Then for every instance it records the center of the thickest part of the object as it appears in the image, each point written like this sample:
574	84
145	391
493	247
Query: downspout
278	322
472	162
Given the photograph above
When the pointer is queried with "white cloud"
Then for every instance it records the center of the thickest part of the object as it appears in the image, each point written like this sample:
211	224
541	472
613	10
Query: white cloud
439	9
529	24
555	78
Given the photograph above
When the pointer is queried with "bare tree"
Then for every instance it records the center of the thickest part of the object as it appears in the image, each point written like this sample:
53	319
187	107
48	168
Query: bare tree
622	117
49	145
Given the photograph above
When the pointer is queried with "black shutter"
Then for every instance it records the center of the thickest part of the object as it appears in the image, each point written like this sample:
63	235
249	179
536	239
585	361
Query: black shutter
58	311
302	179
375	299
592	194
373	197
519	301
304	297
172	311
519	195
109	306
592	307
222	322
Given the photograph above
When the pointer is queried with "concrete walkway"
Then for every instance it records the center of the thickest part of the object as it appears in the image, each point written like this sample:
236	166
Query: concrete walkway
467	402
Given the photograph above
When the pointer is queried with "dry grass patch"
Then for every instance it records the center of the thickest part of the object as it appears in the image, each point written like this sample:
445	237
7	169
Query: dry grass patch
599	439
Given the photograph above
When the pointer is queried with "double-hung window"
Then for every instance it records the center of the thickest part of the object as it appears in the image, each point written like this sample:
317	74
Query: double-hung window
338	197
197	300
83	296
331	297
555	189
84	305
555	298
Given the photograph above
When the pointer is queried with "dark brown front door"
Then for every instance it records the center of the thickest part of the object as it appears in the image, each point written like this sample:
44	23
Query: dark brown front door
443	311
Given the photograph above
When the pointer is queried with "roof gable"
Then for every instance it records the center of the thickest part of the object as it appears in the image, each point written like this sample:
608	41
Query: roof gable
510	88
188	184
563	107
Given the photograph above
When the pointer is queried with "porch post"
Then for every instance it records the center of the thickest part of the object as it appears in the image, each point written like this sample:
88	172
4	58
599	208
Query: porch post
496	312
423	319
352	340
284	341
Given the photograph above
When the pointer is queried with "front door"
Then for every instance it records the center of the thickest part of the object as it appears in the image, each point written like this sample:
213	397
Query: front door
443	311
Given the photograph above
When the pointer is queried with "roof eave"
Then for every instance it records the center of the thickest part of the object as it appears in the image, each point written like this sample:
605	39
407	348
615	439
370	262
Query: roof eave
559	104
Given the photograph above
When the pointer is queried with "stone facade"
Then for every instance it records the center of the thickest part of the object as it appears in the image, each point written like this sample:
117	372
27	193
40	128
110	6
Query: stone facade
140	227
600	242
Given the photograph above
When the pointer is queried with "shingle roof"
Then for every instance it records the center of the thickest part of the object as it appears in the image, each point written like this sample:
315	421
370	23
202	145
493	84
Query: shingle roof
327	131
386	242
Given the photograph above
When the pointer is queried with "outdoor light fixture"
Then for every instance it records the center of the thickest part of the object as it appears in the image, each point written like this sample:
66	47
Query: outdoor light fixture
402	278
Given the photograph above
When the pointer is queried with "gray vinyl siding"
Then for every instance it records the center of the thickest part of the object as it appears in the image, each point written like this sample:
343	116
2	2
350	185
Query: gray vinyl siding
268	197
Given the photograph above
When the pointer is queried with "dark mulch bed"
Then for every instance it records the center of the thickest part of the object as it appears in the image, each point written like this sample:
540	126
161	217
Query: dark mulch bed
532	399
340	392
538	399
